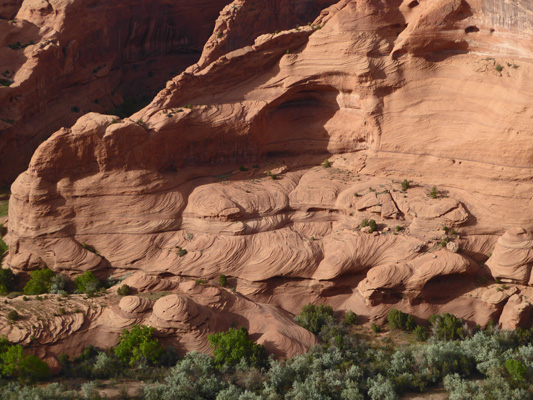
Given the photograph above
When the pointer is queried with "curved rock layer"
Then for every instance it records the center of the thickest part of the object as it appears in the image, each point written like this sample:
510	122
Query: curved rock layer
230	170
61	58
184	319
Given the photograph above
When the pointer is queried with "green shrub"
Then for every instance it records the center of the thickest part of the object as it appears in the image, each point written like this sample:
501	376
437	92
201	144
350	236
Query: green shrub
447	327
405	185
222	280
8	280
124	290
26	367
326	163
350	318
313	318
40	281
181	251
499	68
59	284
375	328
3	246
90	248
364	223
401	320
194	377
232	346
13	316
87	283
421	333
373	226
434	192
516	369
138	346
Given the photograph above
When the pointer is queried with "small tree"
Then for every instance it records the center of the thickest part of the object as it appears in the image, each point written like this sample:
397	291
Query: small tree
137	345
231	347
13	316
87	283
26	367
350	318
59	284
8	280
124	290
313	318
421	333
373	226
516	369
447	327
401	320
40	281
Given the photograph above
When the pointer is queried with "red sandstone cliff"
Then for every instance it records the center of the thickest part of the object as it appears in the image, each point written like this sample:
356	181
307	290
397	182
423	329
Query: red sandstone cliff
435	92
63	59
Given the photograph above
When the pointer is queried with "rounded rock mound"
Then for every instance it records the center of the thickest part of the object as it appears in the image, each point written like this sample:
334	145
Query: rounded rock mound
134	304
175	311
513	256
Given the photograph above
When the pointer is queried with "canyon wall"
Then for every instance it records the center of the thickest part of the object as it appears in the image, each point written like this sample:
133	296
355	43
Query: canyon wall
61	59
261	161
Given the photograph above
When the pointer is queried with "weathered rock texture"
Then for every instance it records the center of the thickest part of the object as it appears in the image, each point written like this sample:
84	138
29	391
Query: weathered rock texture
62	58
223	172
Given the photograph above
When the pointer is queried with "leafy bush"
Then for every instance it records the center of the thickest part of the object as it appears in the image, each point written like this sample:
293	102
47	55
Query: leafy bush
313	318
373	226
59	284
434	192
516	369
326	163
194	377
232	346
124	290
13	316
3	246
350	318
375	328
54	391
405	185
137	346
401	320
40	281
421	334
181	251
25	367
87	283
222	280
8	280
447	327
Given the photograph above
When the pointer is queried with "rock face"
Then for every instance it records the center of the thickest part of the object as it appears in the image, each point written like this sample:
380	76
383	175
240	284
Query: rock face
65	58
513	257
224	171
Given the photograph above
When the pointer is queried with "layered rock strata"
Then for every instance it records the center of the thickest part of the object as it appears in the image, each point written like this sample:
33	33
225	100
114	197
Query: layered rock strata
233	179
